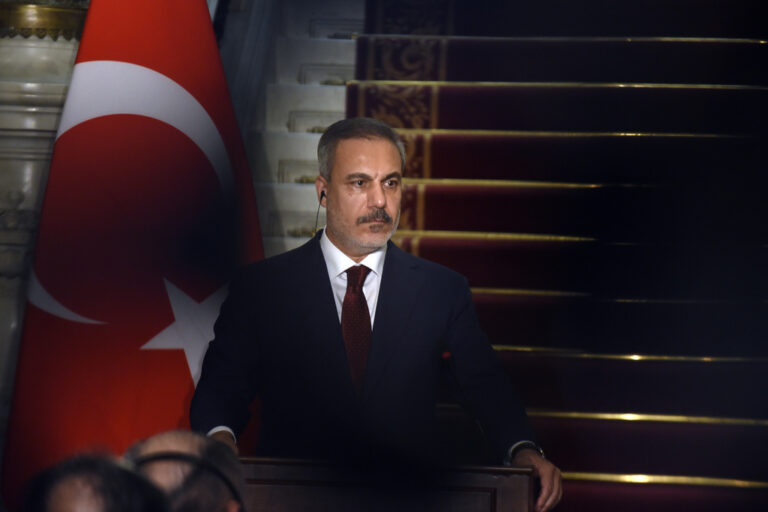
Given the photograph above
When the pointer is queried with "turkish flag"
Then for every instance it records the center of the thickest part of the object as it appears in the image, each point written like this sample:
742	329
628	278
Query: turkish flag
148	209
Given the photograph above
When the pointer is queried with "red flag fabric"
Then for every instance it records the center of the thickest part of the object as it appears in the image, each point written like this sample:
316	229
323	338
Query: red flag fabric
148	208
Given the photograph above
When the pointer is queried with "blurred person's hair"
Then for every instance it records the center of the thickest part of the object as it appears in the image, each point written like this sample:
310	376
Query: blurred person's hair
95	481
207	475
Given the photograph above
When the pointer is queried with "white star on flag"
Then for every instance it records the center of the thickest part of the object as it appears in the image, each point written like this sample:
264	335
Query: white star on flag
193	326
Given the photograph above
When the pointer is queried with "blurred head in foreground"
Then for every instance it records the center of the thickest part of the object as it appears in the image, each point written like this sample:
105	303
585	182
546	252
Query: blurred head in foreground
92	483
196	472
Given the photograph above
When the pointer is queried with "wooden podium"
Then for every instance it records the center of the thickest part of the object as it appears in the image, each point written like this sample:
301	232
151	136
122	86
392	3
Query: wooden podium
285	485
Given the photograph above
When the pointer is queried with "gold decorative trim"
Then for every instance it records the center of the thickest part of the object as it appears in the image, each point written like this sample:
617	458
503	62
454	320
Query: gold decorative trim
433	106
41	20
632	417
404	59
427	150
534	237
670	301
665	480
514	291
504	183
526	292
540	350
421	207
629	357
563	85
415	246
656	418
401	106
414	155
567	39
477	235
522	133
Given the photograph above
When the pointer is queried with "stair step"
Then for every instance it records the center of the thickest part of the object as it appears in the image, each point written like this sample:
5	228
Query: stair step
718	387
314	60
598	269
631	443
609	446
563	106
553	59
39	120
288	209
286	157
322	19
732	211
580	157
29	93
624	324
715	18
303	108
660	493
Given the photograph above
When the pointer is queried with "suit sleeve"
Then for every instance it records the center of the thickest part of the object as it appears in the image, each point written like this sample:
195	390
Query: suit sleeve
226	387
484	388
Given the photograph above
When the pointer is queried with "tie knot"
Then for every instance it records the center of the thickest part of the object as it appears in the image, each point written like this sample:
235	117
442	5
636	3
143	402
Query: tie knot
356	277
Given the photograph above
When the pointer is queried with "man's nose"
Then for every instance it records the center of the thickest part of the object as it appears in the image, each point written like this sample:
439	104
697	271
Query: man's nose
377	197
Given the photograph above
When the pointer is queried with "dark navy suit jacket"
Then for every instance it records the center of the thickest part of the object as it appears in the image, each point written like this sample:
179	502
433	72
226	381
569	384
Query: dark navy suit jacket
278	338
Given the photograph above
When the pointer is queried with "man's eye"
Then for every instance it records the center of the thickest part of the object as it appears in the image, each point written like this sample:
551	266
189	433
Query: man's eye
359	183
392	183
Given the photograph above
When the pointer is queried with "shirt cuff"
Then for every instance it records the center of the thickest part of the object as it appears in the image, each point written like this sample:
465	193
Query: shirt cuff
520	445
222	428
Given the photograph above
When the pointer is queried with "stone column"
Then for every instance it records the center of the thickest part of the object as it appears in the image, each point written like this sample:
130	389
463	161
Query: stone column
38	43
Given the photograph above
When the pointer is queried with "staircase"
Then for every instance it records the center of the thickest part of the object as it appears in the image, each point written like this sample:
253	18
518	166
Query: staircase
597	170
314	57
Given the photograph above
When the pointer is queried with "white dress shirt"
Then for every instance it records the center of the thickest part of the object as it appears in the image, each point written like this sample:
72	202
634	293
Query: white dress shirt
337	263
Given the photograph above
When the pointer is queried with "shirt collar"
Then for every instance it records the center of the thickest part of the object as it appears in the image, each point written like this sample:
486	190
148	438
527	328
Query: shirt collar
338	262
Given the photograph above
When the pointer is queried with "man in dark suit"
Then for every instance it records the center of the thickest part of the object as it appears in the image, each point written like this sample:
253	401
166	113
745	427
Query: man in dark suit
342	339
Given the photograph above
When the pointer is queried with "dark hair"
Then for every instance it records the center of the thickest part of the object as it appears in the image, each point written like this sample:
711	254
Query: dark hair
120	489
354	128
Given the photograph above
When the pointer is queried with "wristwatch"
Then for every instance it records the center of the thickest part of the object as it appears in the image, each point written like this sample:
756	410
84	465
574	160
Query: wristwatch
522	445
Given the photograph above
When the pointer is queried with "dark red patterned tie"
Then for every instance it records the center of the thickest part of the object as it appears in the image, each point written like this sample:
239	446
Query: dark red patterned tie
356	324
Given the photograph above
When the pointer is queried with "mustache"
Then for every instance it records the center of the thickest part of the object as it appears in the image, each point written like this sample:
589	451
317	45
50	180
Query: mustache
379	214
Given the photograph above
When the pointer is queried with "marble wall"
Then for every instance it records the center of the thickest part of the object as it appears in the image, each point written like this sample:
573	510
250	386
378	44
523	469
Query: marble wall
38	43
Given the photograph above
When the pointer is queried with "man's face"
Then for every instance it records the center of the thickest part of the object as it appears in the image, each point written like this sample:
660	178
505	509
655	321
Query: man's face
363	195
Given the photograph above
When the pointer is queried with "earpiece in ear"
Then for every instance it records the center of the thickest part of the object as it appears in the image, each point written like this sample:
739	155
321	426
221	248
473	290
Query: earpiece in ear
319	203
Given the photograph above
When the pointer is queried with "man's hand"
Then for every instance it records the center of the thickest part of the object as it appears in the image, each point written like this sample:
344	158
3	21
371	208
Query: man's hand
548	475
226	438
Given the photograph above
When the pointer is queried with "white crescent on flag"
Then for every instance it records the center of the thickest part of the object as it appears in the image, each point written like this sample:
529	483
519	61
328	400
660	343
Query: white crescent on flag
40	297
105	87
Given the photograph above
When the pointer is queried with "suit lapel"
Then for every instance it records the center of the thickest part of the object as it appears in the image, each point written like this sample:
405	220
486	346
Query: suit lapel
325	350
400	285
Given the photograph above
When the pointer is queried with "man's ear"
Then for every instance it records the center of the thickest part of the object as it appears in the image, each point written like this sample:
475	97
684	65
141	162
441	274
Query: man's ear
321	186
